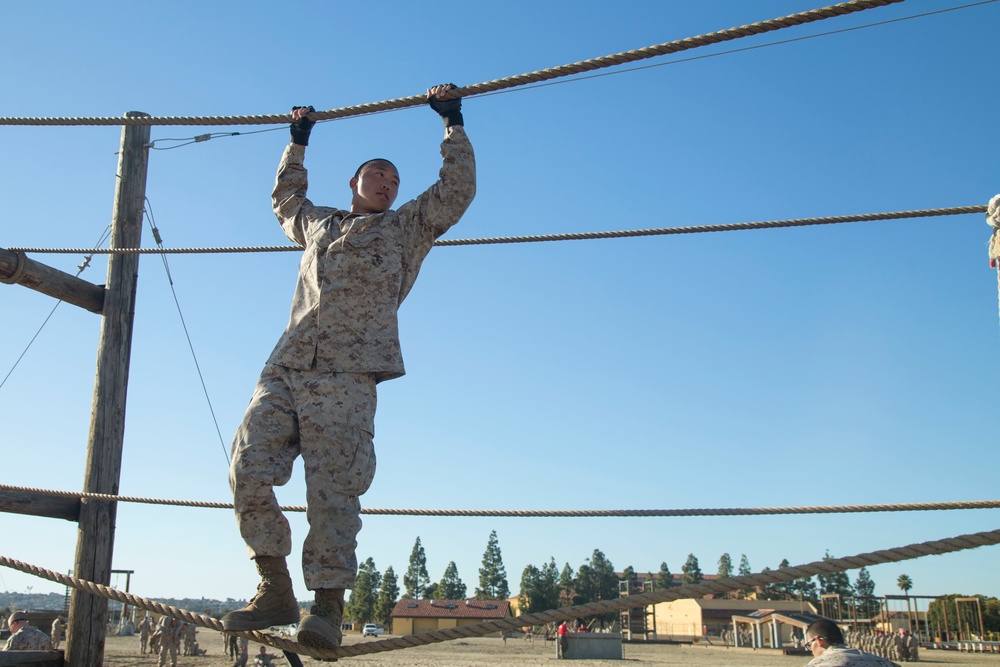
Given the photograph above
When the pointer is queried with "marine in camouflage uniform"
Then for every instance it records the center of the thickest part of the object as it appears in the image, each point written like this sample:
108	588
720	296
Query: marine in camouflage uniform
144	627
57	630
24	636
242	655
316	396
170	640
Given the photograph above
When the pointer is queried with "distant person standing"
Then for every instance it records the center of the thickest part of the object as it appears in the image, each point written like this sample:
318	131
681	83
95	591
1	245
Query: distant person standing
24	636
563	639
58	628
144	628
170	640
242	653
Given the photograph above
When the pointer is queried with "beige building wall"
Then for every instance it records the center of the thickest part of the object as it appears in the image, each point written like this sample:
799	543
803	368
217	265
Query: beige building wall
686	618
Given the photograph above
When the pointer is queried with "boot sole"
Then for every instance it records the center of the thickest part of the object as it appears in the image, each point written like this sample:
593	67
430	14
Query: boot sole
237	624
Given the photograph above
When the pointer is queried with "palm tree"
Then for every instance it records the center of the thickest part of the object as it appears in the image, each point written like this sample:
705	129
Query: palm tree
905	584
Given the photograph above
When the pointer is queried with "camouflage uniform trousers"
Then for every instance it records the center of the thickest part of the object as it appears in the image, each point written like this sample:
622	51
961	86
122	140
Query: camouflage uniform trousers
327	418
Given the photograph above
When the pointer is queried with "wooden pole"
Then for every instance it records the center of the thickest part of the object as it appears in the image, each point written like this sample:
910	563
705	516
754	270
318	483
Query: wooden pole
16	268
95	536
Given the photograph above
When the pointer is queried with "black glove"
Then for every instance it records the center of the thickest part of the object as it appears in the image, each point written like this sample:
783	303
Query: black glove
449	110
301	128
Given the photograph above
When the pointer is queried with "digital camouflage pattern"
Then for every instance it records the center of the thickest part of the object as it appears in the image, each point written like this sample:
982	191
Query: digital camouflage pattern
316	396
28	638
357	269
848	657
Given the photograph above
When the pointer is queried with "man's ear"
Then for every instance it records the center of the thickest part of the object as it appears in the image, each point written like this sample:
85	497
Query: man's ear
354	184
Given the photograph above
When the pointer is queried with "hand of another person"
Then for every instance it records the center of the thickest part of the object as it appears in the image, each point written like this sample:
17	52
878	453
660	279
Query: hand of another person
301	125
449	110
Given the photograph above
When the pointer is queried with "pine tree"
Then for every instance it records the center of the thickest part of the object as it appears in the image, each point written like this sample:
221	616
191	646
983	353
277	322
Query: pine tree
745	593
835	582
725	566
550	585
531	587
451	586
725	571
388	593
664	579
864	594
416	578
596	580
492	575
691	572
567	586
361	606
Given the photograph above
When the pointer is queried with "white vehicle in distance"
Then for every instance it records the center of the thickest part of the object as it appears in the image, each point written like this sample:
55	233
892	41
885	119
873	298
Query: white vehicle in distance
372	630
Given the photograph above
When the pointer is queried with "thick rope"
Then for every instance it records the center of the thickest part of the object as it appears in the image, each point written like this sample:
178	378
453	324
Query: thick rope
828	566
677	46
724	511
578	236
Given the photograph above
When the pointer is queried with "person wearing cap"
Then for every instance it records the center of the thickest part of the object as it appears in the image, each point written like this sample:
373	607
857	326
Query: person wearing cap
826	641
316	396
24	636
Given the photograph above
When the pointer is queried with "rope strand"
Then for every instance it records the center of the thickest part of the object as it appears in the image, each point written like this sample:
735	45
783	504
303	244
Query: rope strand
758	28
572	236
723	511
823	567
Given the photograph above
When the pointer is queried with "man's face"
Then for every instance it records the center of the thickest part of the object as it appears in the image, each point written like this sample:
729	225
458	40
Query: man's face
375	188
816	645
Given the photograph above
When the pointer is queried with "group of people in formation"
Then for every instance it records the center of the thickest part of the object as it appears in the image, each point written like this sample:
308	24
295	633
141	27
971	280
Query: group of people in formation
168	637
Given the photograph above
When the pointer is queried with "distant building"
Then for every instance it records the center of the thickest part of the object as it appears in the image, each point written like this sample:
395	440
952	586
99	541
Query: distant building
691	618
410	617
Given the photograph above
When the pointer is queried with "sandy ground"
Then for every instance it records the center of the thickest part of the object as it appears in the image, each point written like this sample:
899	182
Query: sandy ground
124	652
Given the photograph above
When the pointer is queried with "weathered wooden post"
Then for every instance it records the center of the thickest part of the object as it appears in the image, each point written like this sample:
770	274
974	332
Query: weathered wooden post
95	537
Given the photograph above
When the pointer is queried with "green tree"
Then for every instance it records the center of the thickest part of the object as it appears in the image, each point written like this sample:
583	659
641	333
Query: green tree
835	582
492	575
531	590
451	586
629	575
416	578
664	578
360	608
550	585
596	580
725	571
567	586
691	571
905	583
744	571
388	593
725	566
864	594
785	589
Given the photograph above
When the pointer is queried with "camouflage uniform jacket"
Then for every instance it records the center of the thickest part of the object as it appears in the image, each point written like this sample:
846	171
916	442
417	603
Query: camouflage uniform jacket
357	269
28	638
840	656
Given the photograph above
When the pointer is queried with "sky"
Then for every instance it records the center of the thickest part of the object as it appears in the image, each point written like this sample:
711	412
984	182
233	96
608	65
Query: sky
828	365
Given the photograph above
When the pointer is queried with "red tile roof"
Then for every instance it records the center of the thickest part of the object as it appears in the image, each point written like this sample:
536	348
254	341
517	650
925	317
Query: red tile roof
471	608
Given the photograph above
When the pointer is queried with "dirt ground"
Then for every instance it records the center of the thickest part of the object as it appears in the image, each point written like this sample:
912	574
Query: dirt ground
124	652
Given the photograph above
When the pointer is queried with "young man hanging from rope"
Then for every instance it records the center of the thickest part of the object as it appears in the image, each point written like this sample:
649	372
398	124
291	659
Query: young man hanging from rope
316	395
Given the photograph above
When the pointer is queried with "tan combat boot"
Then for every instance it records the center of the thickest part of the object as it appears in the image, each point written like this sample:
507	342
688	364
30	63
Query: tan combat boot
274	603
320	628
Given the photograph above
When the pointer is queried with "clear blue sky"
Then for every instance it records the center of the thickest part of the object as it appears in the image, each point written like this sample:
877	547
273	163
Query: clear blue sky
844	364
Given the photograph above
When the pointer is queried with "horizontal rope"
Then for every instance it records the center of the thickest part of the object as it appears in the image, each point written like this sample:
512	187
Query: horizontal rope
758	28
573	236
725	585
723	511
